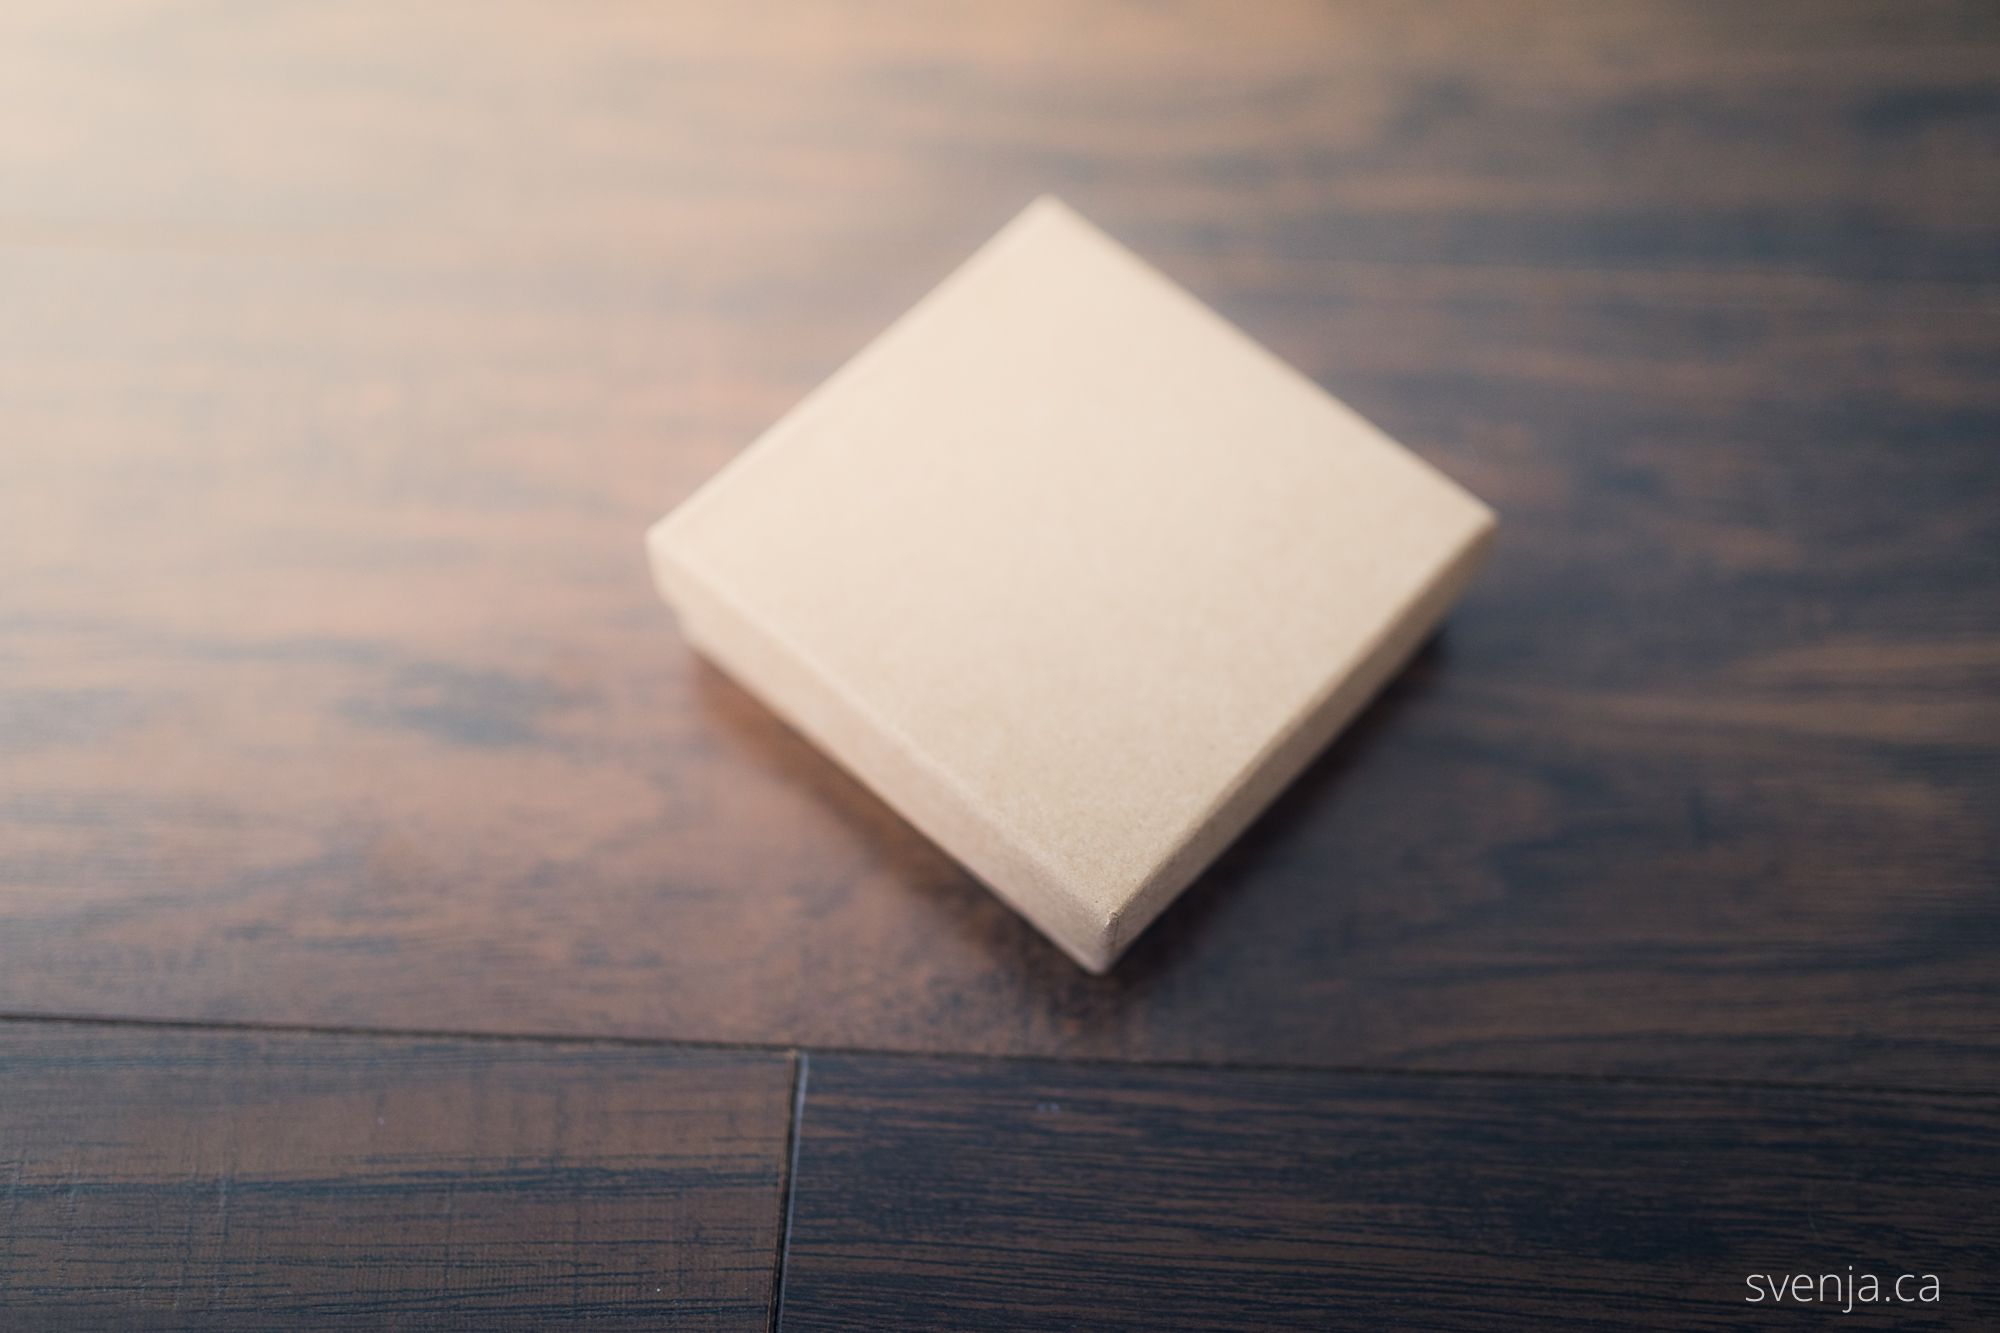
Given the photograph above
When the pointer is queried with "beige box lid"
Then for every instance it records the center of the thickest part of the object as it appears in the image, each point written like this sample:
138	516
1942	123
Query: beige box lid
1070	572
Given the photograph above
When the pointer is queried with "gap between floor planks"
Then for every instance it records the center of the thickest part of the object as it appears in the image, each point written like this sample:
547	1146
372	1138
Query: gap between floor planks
800	1054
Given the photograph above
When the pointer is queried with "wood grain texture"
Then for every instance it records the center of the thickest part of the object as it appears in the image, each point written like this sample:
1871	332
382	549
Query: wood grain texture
153	1179
346	350
952	1194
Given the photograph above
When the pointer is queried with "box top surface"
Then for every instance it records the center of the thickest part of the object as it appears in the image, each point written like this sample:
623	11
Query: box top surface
1077	544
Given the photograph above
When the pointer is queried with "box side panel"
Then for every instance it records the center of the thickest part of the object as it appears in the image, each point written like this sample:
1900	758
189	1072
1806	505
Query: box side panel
1315	728
786	682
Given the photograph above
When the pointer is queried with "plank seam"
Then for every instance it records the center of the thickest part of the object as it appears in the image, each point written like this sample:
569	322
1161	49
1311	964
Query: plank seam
1012	1058
801	1067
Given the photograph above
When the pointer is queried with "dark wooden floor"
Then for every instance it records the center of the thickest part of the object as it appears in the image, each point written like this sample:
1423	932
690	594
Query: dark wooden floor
467	954
246	1180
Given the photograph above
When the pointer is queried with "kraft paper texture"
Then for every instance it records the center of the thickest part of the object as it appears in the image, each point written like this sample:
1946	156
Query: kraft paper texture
1071	573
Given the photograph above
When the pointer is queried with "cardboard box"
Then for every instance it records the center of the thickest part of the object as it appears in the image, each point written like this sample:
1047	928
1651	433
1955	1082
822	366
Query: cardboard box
1070	572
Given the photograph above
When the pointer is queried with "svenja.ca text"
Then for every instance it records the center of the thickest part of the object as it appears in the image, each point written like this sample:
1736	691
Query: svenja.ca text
1845	1290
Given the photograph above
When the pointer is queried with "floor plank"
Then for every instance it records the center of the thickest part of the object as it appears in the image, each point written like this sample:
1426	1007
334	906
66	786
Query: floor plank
1812	136
338	695
163	1179
342	363
954	1194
